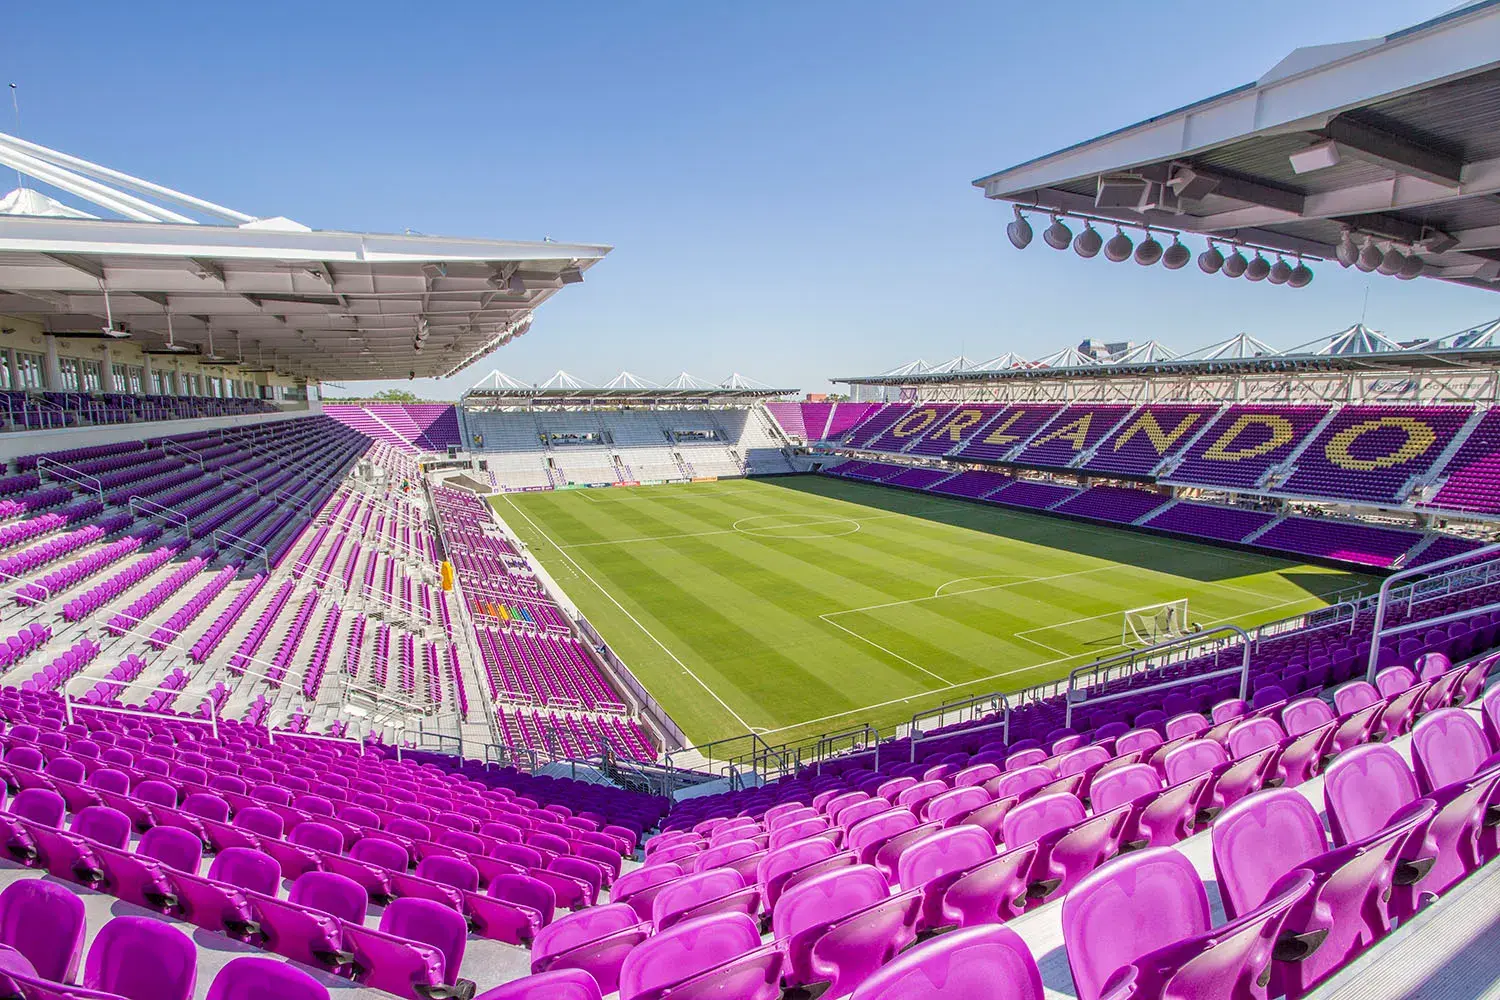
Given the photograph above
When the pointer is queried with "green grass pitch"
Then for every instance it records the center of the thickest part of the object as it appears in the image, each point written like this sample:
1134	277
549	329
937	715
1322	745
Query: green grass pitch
802	605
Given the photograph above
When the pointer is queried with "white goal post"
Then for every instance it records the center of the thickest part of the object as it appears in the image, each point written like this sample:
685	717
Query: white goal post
1155	623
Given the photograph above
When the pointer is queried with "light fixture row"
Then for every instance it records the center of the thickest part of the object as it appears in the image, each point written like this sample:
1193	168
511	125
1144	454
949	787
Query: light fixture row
1362	250
1118	248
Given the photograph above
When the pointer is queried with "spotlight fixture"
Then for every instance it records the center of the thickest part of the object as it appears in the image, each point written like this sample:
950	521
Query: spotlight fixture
1057	235
1301	275
1119	246
1210	260
1176	256
1235	264
1258	269
1370	256
1019	231
1087	243
1281	271
1149	252
1392	263
1413	268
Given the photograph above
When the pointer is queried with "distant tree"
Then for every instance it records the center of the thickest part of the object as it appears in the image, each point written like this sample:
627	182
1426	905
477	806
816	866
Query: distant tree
396	396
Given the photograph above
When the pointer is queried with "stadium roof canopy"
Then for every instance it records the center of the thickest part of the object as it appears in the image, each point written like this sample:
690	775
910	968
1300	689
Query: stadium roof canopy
499	390
1390	144
1354	349
178	273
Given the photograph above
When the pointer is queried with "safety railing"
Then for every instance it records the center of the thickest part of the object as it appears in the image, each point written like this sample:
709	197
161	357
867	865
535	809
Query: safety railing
1476	572
175	450
50	468
1099	673
141	507
952	714
70	703
253	551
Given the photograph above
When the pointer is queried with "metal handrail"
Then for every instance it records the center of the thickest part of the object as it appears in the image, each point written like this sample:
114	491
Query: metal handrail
140	506
1079	695
1382	600
68	474
997	699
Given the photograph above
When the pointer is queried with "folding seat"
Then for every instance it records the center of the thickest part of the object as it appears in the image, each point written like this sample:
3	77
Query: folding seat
717	955
1448	746
980	963
44	922
724	854
1365	789
1021	782
1025	758
787	812
914	796
950	807
416	952
114	962
595	941
1270	834
65	769
1305	714
1489	711
933	863
1394	680
839	927
1354	696
722	890
1401	711
1170	949
1142	739
255	978
1301	756
675	853
1069	843
851	815
802	829
1224	711
974	774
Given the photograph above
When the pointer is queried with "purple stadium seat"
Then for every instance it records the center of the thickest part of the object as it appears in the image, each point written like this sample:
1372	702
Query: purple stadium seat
114	961
719	956
44	922
255	978
595	940
565	984
979	963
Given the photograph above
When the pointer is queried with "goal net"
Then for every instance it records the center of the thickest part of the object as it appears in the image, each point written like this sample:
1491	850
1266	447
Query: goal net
1155	623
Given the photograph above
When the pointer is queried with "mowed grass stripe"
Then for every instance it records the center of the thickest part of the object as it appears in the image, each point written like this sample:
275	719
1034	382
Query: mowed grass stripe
742	610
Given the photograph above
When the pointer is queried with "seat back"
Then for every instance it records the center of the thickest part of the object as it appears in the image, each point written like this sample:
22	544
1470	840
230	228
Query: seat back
114	963
1447	746
685	951
1258	840
1193	758
1364	788
1123	784
247	868
174	846
827	898
39	805
1022	780
333	894
879	827
1034	818
940	853
45	922
692	891
990	962
431	923
1156	892
1394	680
1354	696
102	825
1305	715
250	978
563	984
382	853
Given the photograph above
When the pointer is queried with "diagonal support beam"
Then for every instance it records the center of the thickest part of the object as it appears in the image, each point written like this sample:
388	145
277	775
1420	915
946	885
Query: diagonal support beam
1394	152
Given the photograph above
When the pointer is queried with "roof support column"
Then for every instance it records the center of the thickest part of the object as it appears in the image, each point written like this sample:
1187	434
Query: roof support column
108	371
51	369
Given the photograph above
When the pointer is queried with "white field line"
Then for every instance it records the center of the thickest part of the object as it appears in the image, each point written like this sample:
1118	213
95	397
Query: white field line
647	632
888	652
659	493
753	532
975	590
1015	670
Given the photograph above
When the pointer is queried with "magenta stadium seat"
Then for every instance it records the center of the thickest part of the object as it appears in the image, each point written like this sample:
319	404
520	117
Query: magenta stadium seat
1448	746
722	890
114	962
565	984
44	922
595	941
719	956
979	963
990	892
837	928
1172	948
256	978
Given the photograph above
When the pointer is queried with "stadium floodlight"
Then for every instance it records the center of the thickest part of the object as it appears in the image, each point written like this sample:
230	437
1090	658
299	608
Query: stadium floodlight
1347	253
1235	264
1119	246
1301	275
1019	231
1281	271
1392	263
1088	242
1149	252
1210	260
1369	256
1176	256
1058	236
1413	268
1258	269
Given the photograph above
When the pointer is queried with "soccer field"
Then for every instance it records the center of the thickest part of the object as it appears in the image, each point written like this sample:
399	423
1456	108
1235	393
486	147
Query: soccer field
801	605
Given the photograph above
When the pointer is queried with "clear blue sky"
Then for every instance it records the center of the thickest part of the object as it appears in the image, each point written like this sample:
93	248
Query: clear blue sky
787	184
